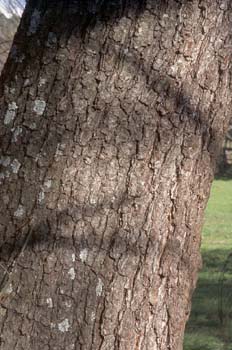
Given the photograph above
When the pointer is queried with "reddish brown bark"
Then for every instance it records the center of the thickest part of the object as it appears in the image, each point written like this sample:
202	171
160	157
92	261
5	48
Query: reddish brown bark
111	120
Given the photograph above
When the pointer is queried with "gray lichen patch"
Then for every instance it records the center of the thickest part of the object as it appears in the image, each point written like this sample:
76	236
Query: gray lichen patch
8	289
10	113
64	325
48	184
93	316
5	161
41	197
42	81
99	288
34	23
83	255
27	82
15	166
39	107
59	150
16	133
19	212
49	302
71	273
68	304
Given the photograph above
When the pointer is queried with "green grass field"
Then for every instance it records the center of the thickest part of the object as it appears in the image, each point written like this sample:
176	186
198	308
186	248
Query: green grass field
209	327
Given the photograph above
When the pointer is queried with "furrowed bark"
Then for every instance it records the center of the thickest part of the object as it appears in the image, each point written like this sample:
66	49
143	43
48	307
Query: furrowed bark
112	114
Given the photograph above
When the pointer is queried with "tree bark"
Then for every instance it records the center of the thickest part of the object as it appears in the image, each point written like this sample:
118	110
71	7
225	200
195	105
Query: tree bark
112	114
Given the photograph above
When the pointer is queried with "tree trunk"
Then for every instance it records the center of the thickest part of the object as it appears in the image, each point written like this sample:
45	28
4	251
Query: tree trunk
8	28
112	116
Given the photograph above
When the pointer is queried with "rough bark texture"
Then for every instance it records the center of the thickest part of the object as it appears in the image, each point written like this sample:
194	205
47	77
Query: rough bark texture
111	118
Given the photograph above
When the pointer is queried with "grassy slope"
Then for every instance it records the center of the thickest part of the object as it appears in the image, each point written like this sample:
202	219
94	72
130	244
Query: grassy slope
204	330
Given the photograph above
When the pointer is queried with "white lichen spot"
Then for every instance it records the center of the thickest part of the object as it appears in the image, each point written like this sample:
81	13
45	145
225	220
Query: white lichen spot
42	81
48	184
68	304
99	288
64	326
9	289
19	212
41	197
83	255
53	325
93	316
71	273
5	161
26	83
39	107
15	166
34	23
16	132
10	113
73	257
49	302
